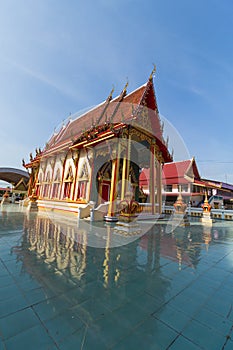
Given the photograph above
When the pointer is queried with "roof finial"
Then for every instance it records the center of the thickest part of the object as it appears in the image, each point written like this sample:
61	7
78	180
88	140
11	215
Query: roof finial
152	73
111	93
124	91
126	85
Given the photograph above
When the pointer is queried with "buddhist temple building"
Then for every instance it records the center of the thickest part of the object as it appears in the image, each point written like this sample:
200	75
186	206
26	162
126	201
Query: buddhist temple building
95	160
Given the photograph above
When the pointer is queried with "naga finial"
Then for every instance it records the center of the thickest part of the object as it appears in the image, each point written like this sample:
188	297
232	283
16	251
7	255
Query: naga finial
124	91
126	85
111	93
152	73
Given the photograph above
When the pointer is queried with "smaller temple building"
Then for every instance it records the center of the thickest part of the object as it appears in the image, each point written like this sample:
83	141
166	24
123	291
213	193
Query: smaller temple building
184	177
178	177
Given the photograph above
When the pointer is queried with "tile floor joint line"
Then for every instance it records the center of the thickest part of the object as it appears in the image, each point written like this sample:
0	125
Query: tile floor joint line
173	341
228	337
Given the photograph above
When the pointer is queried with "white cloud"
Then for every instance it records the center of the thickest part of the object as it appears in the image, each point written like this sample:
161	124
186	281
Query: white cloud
42	78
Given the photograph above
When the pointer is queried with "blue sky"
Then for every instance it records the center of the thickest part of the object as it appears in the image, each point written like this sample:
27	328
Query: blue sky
59	57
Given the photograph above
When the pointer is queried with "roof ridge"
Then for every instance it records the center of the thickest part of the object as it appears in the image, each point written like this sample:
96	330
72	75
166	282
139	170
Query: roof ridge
179	161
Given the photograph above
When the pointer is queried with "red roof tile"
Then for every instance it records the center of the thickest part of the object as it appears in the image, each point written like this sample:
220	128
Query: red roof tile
181	172
130	111
175	170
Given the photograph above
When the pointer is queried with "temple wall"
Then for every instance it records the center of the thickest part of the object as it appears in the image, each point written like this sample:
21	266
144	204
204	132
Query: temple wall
65	172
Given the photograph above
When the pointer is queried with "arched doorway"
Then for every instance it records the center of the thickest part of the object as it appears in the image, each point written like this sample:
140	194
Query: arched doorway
131	183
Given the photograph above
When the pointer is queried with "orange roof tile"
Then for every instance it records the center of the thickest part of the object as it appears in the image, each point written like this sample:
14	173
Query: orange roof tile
123	108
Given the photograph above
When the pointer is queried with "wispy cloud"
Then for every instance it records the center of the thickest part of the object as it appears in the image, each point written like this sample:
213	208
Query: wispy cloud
41	77
62	88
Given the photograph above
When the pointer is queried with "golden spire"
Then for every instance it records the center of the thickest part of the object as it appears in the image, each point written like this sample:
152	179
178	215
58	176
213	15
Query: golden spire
152	73
111	93
104	112
124	91
206	198
125	88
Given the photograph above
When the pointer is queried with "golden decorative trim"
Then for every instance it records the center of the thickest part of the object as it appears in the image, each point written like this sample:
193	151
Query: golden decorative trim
140	135
102	152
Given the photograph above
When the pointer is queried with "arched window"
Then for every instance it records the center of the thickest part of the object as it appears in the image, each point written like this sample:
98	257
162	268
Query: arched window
68	183
82	183
56	184
47	185
39	185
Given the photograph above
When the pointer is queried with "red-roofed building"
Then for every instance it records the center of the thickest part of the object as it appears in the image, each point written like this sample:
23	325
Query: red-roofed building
181	177
178	177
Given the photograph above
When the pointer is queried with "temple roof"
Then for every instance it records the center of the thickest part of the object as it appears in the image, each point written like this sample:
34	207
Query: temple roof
138	108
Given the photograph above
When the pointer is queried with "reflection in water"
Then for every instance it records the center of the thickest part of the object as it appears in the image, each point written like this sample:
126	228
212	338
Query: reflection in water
69	253
54	247
67	249
102	286
207	236
46	251
106	260
86	297
188	246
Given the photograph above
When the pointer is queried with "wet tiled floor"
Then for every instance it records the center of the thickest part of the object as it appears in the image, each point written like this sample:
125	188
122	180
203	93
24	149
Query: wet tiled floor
161	291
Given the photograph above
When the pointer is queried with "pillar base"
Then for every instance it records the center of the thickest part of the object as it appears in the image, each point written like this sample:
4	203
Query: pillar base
110	218
127	228
207	222
206	219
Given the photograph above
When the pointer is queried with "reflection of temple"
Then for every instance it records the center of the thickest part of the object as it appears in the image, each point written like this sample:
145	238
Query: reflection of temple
46	252
98	157
67	252
55	248
65	247
167	246
64	264
183	246
194	247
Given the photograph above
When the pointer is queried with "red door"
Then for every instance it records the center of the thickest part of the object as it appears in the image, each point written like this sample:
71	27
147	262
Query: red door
105	192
